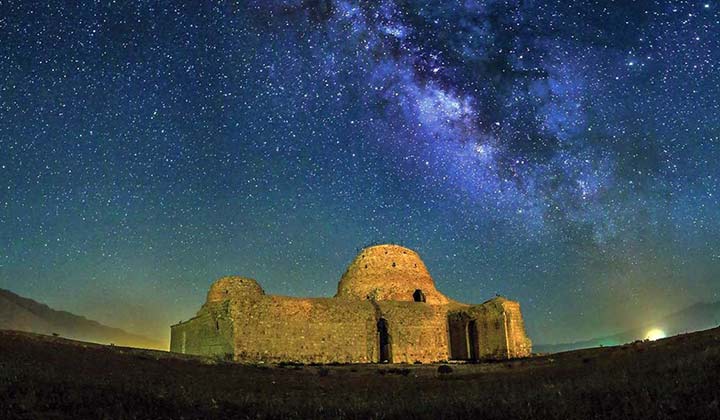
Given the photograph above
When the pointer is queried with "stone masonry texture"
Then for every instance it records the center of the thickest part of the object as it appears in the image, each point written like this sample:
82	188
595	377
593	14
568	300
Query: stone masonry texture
385	296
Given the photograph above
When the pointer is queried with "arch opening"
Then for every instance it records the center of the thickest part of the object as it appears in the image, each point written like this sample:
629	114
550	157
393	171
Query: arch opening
458	339
463	335
385	355
472	334
419	296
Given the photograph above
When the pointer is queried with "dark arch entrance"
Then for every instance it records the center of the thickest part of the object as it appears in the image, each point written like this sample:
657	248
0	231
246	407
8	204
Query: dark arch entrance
463	338
472	340
384	340
419	296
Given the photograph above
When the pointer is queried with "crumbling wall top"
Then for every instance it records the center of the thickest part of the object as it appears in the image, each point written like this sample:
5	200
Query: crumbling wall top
234	287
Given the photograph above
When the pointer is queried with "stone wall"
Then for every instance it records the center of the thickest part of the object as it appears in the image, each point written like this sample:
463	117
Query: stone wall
318	330
491	331
209	333
519	345
418	331
240	320
461	344
500	329
388	272
324	330
234	288
274	329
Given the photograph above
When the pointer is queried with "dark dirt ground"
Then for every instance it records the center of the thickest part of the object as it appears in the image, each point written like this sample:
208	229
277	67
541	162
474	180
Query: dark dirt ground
45	377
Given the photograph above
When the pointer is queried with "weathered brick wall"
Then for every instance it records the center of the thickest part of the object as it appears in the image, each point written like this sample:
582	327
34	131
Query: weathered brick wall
491	332
323	330
209	333
418	331
326	330
462	332
240	320
319	330
457	338
500	329
234	288
519	344
388	272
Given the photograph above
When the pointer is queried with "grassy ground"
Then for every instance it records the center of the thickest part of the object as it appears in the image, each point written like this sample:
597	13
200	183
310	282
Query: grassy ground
48	377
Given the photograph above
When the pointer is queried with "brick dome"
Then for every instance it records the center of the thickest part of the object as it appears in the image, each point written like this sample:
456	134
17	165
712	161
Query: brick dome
233	287
389	272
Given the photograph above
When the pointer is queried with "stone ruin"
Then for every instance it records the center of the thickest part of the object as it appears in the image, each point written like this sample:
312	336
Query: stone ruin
386	309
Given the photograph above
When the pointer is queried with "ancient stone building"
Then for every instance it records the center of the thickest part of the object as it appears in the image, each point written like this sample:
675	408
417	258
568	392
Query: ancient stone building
386	309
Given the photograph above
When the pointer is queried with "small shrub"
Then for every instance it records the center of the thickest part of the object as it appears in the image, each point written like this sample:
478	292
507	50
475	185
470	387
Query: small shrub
444	369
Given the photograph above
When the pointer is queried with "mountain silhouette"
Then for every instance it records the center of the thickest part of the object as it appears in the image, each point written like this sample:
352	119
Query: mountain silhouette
23	314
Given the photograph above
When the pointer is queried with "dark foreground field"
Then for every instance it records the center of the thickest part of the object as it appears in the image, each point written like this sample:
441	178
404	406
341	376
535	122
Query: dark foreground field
46	377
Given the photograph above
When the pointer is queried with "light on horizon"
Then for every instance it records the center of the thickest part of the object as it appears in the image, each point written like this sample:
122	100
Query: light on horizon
655	334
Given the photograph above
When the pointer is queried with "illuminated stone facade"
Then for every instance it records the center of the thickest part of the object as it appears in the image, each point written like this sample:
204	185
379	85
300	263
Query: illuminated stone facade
386	309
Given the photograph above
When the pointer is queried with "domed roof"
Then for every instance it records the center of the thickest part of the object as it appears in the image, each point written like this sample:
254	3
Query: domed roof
389	272
233	287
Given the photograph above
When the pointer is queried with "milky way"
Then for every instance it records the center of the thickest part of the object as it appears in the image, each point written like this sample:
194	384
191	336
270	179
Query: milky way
564	155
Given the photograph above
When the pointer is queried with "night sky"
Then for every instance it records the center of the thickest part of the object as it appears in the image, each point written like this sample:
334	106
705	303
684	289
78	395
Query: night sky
563	154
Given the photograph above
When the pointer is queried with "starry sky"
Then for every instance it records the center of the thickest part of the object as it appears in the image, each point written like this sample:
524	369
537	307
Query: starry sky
563	154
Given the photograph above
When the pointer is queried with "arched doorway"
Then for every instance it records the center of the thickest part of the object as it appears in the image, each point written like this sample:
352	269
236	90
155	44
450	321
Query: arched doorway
463	336
419	296
472	334
458	338
384	341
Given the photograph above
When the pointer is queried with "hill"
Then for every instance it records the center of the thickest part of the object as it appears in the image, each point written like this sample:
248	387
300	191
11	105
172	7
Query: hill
50	377
700	316
23	314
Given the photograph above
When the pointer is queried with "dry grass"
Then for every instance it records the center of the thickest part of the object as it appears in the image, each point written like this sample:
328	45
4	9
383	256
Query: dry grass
47	377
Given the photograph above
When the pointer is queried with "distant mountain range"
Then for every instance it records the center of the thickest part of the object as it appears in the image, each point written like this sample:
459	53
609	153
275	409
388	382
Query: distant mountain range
700	316
22	314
